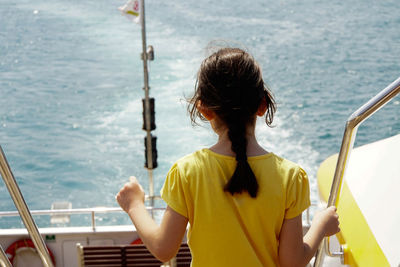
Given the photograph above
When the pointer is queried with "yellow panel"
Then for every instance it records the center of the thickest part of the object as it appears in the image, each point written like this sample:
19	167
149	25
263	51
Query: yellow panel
362	248
325	176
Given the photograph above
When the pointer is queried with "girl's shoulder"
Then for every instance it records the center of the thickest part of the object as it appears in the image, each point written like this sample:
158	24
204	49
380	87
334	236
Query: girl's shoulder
288	164
198	157
189	159
282	168
275	161
291	172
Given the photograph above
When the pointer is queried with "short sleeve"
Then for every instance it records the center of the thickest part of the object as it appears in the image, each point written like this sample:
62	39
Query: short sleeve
173	191
297	194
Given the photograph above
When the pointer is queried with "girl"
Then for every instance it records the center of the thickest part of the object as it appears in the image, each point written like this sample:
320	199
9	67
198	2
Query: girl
243	203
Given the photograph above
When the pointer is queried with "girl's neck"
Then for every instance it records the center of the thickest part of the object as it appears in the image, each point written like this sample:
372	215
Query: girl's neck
223	146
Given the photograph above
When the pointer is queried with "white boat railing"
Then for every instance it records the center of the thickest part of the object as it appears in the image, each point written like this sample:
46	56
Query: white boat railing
92	211
352	124
101	210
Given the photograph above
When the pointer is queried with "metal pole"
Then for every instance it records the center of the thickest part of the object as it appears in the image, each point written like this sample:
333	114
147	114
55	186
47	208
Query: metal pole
4	261
344	155
147	105
23	209
359	116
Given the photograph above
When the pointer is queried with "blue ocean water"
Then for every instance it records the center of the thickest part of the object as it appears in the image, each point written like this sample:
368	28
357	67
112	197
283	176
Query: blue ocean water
71	86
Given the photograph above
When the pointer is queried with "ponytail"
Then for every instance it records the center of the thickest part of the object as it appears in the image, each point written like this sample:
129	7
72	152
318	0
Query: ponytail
243	179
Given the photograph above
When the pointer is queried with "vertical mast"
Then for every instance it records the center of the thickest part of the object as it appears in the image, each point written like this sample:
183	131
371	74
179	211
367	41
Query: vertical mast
148	109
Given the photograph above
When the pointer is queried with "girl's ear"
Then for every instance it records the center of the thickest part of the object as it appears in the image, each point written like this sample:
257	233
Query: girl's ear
262	108
207	113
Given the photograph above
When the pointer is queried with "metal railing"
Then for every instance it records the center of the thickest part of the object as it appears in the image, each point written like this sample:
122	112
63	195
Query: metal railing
23	209
3	259
359	116
91	211
98	210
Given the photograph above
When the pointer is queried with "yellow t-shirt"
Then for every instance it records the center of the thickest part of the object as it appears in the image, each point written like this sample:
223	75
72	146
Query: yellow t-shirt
237	230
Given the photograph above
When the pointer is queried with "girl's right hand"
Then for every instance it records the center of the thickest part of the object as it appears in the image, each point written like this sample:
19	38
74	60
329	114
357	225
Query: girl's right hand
131	194
328	219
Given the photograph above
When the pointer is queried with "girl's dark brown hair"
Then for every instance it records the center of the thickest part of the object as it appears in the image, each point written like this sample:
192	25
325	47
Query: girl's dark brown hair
230	83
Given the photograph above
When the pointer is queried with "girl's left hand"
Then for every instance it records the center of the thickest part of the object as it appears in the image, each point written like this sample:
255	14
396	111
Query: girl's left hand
130	195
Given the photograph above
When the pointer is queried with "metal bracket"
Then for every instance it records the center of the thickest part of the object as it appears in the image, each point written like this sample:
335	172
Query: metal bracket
333	254
149	55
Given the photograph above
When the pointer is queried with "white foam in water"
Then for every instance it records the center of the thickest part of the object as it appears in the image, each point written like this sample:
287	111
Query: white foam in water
126	114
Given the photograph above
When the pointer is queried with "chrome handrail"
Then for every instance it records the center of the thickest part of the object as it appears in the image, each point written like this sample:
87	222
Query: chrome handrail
20	204
4	261
358	117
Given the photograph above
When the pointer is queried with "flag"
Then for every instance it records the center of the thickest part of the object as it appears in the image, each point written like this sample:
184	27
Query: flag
132	10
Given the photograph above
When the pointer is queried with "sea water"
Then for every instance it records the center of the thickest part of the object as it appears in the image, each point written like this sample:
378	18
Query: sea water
71	84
